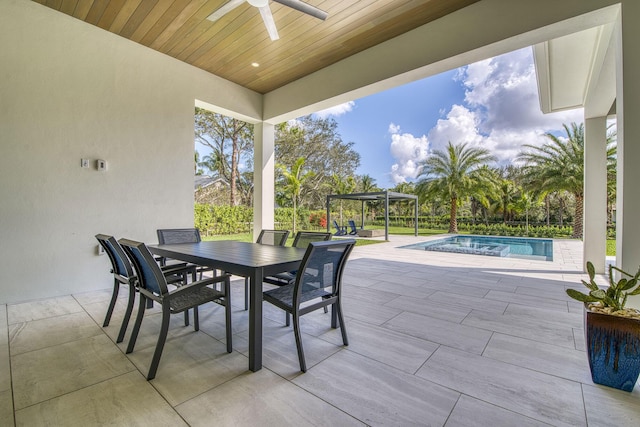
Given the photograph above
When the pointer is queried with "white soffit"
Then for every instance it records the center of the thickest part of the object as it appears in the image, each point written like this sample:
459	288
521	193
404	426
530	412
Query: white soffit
565	67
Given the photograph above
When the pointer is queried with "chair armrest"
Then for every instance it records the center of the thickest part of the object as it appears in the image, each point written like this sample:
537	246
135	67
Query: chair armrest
178	268
200	283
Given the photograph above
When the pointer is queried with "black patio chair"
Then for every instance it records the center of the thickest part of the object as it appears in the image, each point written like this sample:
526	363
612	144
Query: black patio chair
266	237
302	240
318	284
123	274
170	236
153	286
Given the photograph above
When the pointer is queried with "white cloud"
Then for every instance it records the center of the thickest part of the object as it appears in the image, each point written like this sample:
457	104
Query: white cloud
501	113
409	152
338	110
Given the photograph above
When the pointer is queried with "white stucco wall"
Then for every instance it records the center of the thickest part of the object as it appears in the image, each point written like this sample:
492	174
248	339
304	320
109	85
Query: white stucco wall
69	90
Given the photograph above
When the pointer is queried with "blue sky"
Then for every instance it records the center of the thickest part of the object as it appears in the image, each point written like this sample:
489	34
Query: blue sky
491	104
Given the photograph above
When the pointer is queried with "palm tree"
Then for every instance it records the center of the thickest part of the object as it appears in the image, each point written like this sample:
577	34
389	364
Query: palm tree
454	173
558	165
343	186
294	180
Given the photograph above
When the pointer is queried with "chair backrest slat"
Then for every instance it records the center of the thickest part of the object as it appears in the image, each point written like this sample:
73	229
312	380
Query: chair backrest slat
273	237
322	267
303	238
168	236
149	274
118	258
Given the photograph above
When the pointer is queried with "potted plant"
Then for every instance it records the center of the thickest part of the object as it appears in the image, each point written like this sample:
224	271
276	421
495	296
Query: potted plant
612	332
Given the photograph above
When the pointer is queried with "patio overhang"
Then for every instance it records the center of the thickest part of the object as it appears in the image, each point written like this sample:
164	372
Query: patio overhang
577	71
377	196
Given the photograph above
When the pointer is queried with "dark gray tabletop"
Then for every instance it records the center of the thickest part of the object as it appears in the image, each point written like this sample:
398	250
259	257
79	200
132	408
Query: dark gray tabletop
252	260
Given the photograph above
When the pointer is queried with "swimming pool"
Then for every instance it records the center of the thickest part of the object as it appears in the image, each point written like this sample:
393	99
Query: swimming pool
512	247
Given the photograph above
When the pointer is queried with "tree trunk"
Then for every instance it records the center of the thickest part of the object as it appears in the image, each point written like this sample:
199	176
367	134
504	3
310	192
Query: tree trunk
504	213
453	220
547	204
294	214
234	165
578	217
561	210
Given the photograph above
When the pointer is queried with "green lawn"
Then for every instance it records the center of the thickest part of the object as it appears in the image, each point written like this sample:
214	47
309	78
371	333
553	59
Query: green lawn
246	237
611	247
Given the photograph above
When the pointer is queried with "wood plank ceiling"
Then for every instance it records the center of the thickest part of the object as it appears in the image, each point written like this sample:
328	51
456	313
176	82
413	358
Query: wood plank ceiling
229	46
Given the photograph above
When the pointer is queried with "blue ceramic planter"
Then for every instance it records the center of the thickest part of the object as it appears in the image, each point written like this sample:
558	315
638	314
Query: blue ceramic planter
613	349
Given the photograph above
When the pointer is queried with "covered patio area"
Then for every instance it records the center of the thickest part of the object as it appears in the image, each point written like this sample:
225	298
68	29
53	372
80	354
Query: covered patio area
435	339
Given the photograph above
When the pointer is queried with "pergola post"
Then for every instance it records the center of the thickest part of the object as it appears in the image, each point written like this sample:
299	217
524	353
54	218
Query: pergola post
386	216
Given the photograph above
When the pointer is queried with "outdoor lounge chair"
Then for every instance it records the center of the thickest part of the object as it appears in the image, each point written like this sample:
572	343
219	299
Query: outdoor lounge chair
340	230
317	285
353	229
153	286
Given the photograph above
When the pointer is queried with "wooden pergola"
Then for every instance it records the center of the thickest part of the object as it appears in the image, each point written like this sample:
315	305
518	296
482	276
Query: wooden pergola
386	196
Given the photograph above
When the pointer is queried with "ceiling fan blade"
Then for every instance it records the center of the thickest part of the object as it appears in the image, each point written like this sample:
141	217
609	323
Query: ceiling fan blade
228	7
267	17
304	8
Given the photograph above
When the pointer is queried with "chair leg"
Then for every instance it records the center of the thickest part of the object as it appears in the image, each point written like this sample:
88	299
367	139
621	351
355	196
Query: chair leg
287	318
343	329
112	303
227	315
246	293
296	331
186	318
127	314
196	320
164	329
136	325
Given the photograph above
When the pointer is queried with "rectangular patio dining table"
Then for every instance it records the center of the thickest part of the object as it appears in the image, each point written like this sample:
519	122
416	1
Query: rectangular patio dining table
252	260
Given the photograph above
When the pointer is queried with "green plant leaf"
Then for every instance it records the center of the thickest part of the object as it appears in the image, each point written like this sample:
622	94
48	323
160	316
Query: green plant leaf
580	296
593	286
591	270
598	294
628	284
635	291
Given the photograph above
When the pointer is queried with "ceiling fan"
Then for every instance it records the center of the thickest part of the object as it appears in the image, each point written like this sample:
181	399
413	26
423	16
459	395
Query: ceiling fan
265	11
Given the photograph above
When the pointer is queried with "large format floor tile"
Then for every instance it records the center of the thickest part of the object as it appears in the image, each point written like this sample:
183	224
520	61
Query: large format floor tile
376	394
37	334
124	400
190	365
52	371
441	332
535	395
470	412
262	398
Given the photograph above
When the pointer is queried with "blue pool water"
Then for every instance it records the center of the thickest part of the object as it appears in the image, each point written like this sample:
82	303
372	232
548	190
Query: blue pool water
513	247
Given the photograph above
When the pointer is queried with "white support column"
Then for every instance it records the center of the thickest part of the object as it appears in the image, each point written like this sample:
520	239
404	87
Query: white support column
595	193
628	106
263	177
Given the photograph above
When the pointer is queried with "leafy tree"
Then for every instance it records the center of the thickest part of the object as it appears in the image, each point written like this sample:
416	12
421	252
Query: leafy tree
197	163
558	165
318	142
294	180
454	173
231	142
